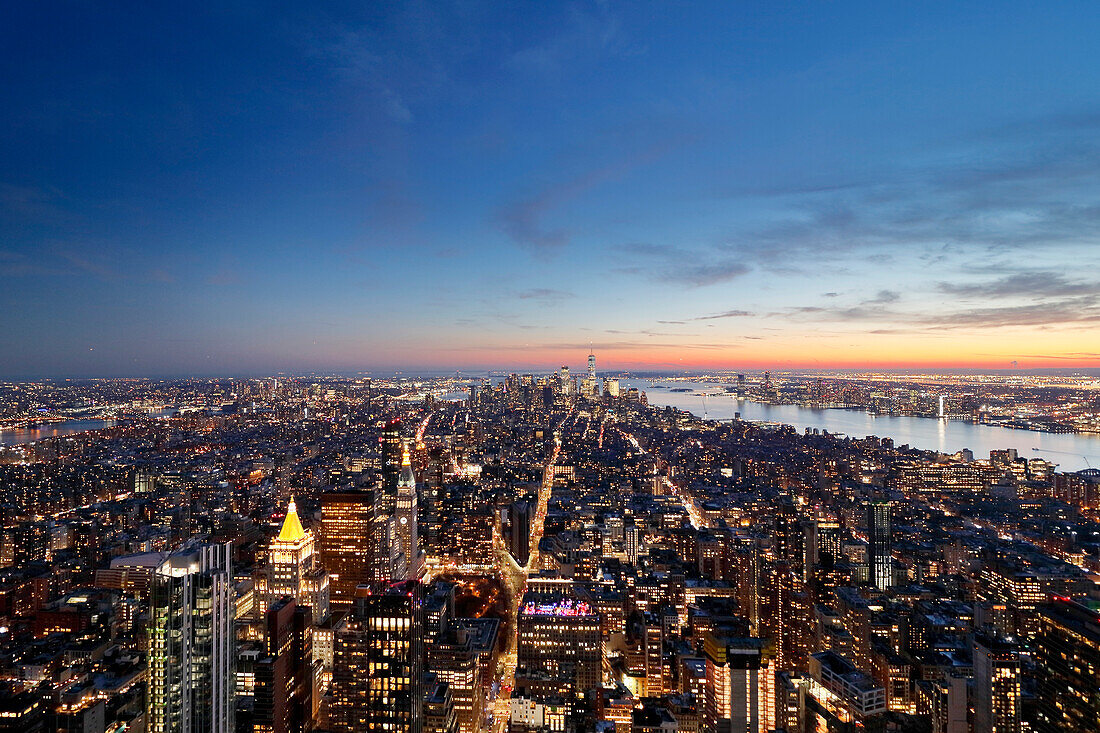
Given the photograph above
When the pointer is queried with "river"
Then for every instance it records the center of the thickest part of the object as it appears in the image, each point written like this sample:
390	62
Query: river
1070	451
19	436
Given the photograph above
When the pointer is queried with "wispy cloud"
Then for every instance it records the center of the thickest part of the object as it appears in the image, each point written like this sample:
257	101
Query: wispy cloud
680	266
522	220
725	314
1023	284
89	265
1084	309
545	295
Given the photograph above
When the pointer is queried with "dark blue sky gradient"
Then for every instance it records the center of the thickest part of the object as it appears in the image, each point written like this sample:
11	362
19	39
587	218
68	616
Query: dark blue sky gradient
251	188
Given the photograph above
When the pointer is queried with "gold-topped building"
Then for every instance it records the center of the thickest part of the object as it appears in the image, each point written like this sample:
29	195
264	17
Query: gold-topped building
293	569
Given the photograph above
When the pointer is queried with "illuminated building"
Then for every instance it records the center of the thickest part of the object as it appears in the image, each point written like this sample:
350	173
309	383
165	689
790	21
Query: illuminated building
559	636
945	703
407	542
285	675
389	564
840	692
377	667
1068	659
347	545
439	711
996	685
293	568
519	539
527	713
740	685
453	660
21	711
192	642
653	650
880	545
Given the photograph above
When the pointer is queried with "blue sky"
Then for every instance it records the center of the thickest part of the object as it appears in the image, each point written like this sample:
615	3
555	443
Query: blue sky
252	188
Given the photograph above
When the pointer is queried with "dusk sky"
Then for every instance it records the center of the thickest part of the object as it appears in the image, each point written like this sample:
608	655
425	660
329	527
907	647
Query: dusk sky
233	188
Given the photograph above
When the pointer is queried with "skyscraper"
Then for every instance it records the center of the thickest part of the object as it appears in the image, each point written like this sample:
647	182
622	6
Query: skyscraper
519	541
407	542
388	563
880	546
996	685
740	685
592	366
192	643
294	571
285	675
378	665
347	542
392	448
1068	659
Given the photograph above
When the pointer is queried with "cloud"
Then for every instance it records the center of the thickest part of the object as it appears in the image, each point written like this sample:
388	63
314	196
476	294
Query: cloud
1085	309
680	266
89	266
725	314
1072	356
1032	283
703	274
521	220
588	32
1034	189
883	296
545	294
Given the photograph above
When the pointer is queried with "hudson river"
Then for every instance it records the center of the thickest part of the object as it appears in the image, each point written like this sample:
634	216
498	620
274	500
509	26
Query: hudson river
9	436
1070	451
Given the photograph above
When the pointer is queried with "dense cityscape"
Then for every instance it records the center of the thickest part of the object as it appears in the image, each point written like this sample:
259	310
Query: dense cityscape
541	552
589	366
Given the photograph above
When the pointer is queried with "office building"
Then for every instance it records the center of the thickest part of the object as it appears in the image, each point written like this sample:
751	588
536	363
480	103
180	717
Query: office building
347	542
880	545
559	639
293	570
192	646
286	675
996	692
1068	659
740	685
378	662
519	537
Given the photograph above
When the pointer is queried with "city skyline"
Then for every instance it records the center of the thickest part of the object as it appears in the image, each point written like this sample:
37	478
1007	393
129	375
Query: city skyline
468	186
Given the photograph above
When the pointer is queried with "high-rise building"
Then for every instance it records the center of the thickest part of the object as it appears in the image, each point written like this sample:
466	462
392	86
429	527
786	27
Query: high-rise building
286	675
347	542
740	686
591	366
388	563
407	561
519	537
1068	660
632	541
192	646
559	640
293	569
996	685
378	662
880	545
392	450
